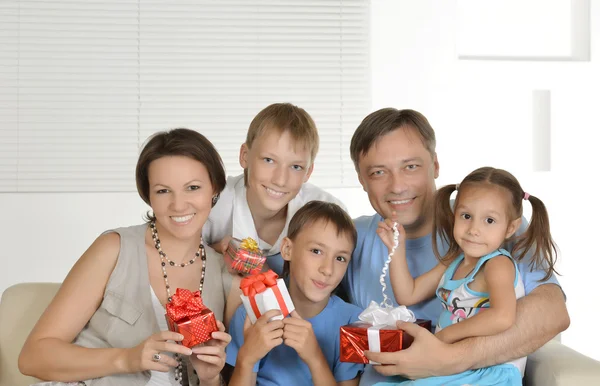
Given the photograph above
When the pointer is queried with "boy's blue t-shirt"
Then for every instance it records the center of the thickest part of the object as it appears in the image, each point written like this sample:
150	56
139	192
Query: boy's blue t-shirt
283	366
362	277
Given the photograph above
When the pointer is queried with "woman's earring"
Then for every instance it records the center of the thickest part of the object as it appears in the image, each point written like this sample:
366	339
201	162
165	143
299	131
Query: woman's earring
215	199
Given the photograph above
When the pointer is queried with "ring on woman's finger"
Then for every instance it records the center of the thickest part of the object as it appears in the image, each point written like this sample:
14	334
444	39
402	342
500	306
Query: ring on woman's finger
156	357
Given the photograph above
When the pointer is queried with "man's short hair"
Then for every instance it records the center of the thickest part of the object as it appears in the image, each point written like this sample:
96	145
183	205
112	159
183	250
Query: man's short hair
384	121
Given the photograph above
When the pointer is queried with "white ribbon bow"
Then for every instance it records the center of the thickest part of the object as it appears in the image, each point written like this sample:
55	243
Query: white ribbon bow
380	318
377	315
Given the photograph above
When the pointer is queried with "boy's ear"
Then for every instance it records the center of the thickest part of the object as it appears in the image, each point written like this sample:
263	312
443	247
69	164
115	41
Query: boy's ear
244	155
512	227
286	249
309	172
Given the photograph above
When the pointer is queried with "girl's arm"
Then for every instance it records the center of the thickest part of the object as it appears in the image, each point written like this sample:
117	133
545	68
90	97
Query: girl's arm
407	290
499	277
48	352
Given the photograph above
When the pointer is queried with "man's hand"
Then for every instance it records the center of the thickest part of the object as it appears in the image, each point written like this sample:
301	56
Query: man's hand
299	335
426	357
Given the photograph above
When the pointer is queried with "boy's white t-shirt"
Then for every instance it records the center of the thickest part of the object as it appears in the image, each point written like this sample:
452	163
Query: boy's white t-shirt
231	216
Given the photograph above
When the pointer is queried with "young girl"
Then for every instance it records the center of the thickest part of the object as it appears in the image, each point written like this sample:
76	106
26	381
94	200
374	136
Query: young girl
476	274
302	349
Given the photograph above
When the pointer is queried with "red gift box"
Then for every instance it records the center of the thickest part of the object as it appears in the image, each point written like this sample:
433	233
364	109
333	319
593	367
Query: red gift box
354	340
244	256
187	315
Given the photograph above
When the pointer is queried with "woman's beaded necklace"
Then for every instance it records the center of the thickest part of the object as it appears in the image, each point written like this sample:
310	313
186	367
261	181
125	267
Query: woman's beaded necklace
164	260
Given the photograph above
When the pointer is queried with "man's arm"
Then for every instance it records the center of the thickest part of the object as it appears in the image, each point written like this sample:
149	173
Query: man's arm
541	315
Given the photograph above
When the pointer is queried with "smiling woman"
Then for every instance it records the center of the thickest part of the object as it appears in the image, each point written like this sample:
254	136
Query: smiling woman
110	310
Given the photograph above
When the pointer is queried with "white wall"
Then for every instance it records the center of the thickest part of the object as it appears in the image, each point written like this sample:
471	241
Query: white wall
469	103
44	234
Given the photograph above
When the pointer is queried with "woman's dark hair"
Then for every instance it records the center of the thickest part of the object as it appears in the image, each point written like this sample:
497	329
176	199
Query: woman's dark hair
179	142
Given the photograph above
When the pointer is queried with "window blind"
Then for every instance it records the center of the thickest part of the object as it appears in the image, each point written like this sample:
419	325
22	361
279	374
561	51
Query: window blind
88	81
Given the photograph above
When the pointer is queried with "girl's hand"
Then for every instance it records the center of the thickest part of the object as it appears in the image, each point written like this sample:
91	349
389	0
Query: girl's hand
260	337
141	357
385	231
208	358
299	335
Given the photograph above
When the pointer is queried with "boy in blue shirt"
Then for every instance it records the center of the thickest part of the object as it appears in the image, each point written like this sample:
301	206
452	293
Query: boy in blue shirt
302	349
394	155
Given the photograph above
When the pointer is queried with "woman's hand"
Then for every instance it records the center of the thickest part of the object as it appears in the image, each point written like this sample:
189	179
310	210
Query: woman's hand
208	358
144	356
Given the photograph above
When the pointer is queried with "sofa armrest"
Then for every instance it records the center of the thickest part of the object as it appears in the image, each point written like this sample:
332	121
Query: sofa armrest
555	364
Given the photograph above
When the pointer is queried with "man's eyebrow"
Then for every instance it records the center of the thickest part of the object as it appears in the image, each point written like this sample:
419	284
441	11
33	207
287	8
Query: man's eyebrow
404	161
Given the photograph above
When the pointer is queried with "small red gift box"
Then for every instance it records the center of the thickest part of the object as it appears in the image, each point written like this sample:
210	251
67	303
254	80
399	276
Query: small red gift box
244	256
358	337
187	315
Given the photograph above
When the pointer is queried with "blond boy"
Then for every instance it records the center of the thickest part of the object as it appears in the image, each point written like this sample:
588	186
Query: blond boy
278	159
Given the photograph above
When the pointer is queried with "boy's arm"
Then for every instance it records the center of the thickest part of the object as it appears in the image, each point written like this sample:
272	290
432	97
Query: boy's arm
320	371
259	339
351	382
299	335
221	245
243	375
233	299
499	274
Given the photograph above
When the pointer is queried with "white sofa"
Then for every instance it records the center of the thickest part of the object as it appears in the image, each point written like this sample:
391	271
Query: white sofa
22	305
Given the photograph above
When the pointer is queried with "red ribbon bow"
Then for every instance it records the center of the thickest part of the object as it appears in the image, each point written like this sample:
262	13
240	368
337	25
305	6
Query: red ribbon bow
187	314
184	303
256	284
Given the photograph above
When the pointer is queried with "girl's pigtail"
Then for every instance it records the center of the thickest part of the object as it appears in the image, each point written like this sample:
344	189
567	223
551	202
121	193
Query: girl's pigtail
443	224
538	237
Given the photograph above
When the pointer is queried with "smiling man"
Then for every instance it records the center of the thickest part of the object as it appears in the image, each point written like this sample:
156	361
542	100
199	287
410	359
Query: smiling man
394	155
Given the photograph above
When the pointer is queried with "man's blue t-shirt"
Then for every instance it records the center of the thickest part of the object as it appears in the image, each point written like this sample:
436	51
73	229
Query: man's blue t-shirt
362	278
283	366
